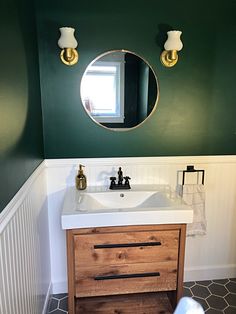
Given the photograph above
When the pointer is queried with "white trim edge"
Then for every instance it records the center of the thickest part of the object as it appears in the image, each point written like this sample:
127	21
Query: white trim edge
145	160
47	298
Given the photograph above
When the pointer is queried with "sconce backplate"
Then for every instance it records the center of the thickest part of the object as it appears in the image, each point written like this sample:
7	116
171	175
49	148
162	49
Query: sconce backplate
166	59
69	56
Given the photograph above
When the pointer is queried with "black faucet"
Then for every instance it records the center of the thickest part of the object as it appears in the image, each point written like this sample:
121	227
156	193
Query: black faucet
120	185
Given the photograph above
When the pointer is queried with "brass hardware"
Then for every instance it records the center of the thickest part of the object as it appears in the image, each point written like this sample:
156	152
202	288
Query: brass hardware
169	58
173	44
69	56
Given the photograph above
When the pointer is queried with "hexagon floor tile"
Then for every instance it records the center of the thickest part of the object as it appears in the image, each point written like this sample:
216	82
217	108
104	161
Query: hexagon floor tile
216	297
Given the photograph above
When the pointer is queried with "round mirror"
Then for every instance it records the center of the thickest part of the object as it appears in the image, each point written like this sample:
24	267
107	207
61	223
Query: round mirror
119	90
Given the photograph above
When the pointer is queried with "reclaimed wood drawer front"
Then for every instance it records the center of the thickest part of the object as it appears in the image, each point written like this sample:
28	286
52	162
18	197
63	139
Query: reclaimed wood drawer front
127	278
129	247
152	303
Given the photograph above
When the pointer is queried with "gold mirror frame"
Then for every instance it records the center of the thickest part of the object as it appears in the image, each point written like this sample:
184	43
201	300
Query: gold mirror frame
157	86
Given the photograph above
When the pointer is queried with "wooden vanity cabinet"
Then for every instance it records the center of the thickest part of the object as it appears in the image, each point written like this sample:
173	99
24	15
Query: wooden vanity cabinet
124	270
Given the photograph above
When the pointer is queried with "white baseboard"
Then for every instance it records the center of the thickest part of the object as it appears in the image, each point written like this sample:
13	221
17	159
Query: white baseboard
209	273
59	287
49	292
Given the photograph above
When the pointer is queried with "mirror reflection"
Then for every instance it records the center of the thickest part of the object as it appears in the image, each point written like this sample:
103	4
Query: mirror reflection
119	90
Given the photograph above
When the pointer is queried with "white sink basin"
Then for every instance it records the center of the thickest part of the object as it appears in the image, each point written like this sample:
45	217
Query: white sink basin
122	200
100	207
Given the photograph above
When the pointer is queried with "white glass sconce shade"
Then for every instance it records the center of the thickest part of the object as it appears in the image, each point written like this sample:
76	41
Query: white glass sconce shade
68	43
173	41
169	56
67	39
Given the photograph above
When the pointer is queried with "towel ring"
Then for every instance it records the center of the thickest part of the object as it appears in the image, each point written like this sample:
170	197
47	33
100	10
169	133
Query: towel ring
191	169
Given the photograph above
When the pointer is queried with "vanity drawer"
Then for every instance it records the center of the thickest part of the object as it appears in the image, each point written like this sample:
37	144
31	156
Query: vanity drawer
125	247
126	278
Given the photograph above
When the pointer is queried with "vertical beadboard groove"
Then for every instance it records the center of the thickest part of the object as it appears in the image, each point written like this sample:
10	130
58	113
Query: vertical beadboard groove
2	298
6	254
20	260
4	292
21	290
15	262
11	266
24	274
31	226
31	232
28	253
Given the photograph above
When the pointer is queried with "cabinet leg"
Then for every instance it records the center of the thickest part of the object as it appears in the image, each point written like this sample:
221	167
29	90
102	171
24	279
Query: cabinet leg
71	304
180	278
70	271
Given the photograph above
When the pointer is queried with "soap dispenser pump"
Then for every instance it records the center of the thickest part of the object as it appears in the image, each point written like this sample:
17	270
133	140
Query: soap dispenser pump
80	180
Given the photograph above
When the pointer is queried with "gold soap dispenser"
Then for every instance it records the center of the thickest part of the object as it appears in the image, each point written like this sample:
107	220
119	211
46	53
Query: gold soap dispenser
80	180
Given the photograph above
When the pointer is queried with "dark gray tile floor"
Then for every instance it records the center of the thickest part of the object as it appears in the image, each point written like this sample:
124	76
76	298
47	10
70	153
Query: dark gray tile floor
216	297
58	304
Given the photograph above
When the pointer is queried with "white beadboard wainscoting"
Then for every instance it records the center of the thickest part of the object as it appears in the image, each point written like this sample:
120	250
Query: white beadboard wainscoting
24	249
212	256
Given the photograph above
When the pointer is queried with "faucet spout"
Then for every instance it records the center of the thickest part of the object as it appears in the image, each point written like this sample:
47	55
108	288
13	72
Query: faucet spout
120	176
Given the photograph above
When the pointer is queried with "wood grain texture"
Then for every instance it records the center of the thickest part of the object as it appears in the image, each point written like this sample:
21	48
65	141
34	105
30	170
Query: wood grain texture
131	228
87	260
86	254
180	277
86	286
175	295
149	303
70	271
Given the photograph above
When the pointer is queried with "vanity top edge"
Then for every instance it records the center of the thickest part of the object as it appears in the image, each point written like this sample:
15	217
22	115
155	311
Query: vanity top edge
126	219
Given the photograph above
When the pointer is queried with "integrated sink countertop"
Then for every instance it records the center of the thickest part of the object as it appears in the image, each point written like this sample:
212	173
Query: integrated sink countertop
143	204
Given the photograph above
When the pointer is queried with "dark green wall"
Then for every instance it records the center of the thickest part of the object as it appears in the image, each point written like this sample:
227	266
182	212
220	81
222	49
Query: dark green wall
21	137
197	108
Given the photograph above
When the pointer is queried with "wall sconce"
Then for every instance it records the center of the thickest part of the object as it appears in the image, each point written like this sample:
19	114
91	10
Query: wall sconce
68	43
169	56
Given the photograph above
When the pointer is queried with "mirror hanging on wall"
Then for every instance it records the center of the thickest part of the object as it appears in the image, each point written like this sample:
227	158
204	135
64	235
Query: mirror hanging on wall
119	90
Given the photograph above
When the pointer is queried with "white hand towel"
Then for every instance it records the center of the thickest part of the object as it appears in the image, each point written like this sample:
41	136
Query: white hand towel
187	305
194	196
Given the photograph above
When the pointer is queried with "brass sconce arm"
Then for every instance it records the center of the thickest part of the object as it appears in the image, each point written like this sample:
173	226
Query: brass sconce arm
169	58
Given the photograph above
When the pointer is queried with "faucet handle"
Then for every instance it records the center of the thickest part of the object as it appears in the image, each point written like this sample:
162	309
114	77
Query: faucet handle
113	182
127	180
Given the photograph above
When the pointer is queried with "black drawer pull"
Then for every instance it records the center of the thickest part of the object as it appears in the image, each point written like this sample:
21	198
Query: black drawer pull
155	274
111	246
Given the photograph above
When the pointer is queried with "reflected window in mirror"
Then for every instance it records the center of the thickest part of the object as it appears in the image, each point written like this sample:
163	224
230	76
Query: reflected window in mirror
119	90
102	90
